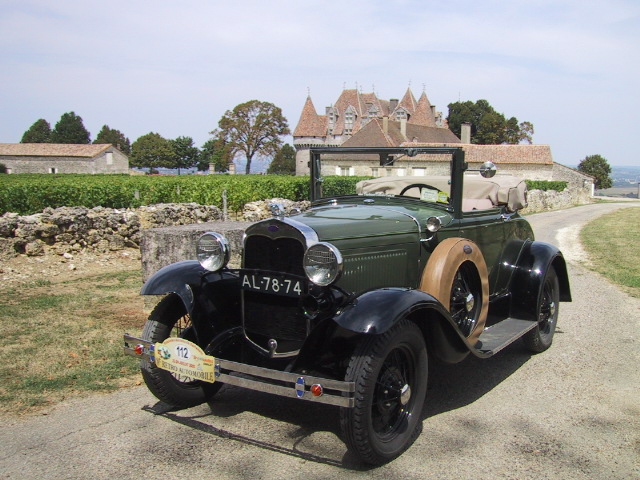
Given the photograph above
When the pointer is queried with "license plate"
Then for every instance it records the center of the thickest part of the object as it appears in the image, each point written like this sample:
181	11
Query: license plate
273	284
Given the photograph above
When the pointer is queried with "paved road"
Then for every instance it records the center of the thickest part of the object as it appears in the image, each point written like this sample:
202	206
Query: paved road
572	412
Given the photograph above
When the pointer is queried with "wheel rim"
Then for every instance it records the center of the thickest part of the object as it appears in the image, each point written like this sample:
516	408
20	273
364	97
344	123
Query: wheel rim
466	300
392	399
548	309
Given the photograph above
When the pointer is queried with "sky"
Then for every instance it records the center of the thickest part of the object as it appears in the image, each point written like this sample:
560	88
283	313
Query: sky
570	67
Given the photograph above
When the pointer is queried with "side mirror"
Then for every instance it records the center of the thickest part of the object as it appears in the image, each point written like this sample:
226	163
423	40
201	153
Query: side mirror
488	169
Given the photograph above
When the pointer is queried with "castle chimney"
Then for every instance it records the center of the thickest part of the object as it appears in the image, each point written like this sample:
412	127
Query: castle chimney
393	103
465	132
403	128
385	125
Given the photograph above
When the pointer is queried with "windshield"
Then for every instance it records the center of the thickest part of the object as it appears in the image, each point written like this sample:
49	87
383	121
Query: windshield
424	173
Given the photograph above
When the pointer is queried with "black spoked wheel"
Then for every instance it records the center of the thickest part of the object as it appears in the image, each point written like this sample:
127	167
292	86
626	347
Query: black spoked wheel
390	372
540	338
170	319
466	297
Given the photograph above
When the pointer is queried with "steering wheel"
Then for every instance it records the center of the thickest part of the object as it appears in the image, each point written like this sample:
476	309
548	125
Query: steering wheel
420	186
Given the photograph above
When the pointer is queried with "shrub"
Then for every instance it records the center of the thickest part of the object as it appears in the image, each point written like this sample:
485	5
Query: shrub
545	185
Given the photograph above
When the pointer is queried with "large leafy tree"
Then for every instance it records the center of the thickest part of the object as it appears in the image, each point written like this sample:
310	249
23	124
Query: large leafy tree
488	127
214	151
39	132
115	138
284	163
152	151
252	128
70	129
598	167
185	153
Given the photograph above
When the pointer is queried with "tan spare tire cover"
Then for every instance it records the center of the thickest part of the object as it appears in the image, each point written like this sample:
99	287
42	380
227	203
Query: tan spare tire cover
439	273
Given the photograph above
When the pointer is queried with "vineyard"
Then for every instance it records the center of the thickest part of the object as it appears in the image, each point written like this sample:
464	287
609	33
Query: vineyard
31	193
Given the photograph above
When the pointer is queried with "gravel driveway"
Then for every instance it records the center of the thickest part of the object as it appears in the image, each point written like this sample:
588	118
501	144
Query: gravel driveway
572	412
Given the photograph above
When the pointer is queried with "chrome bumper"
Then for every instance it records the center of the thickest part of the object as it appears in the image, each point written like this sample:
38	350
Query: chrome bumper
276	382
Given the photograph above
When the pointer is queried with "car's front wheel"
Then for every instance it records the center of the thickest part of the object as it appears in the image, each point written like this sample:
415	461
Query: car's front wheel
390	373
170	319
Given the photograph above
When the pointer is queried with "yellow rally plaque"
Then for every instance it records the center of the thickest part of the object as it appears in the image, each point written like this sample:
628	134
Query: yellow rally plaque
185	358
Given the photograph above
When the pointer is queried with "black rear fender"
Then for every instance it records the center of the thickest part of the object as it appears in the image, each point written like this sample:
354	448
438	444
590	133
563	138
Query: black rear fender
526	287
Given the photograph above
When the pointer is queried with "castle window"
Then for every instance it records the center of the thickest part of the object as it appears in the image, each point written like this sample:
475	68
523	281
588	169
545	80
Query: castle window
349	119
401	114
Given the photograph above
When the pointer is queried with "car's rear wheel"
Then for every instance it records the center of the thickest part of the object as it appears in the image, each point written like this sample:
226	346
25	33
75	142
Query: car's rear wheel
456	275
540	338
170	319
390	373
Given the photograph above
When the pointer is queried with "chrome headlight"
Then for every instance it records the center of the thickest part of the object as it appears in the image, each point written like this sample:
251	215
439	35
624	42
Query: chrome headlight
433	224
213	251
322	264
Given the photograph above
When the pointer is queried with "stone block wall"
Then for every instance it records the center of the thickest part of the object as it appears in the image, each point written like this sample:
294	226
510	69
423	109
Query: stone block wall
74	229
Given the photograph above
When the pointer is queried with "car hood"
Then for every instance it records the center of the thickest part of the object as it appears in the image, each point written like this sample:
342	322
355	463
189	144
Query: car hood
342	222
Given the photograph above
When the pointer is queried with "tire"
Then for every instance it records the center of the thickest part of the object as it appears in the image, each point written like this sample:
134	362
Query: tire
456	275
170	319
540	338
390	373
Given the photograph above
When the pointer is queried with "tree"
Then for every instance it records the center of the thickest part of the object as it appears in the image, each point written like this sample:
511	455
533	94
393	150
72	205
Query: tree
39	132
252	128
70	129
214	151
598	167
152	151
3	168
115	138
284	163
184	152
488	127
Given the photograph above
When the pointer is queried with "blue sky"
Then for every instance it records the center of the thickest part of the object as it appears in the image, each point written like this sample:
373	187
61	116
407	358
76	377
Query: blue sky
571	67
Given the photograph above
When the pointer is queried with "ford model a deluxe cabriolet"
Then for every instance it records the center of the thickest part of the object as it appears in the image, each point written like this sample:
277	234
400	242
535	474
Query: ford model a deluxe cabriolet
345	303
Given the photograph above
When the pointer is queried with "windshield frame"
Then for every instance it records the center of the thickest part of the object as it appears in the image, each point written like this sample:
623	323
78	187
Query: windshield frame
386	154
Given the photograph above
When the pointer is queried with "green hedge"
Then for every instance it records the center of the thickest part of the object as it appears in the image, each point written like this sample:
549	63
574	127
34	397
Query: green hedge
546	185
31	193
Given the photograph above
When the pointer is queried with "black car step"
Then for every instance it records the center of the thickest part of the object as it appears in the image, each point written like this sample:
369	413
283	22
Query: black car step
498	336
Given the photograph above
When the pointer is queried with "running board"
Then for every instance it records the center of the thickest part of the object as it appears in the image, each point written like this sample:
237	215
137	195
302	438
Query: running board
500	335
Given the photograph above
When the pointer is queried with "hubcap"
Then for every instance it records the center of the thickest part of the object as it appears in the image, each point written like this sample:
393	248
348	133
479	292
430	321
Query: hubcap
470	302
405	394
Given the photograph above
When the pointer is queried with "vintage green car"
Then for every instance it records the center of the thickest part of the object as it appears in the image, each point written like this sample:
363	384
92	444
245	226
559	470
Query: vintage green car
346	303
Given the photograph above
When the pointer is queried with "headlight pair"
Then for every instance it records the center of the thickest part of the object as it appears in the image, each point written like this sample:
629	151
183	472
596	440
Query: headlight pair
322	262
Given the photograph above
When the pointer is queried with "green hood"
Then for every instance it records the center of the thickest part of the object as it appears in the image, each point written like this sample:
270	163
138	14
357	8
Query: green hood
355	221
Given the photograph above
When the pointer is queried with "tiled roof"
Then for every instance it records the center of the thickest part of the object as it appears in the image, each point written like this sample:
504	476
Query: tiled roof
373	135
310	124
52	149
423	114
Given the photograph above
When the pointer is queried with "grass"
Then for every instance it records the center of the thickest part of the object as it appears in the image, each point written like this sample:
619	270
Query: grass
611	242
65	339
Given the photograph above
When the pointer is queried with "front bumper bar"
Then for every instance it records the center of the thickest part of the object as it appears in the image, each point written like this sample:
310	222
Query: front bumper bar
276	382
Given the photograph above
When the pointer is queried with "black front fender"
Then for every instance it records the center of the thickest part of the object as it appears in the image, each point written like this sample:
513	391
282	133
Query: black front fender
376	311
181	278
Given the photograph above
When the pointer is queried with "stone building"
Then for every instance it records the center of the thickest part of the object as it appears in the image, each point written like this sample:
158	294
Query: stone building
363	120
62	158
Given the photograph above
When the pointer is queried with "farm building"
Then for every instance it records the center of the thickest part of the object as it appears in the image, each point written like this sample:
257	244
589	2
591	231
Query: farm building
62	158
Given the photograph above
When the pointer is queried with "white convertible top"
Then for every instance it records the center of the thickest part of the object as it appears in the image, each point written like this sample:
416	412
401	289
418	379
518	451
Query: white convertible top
499	190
